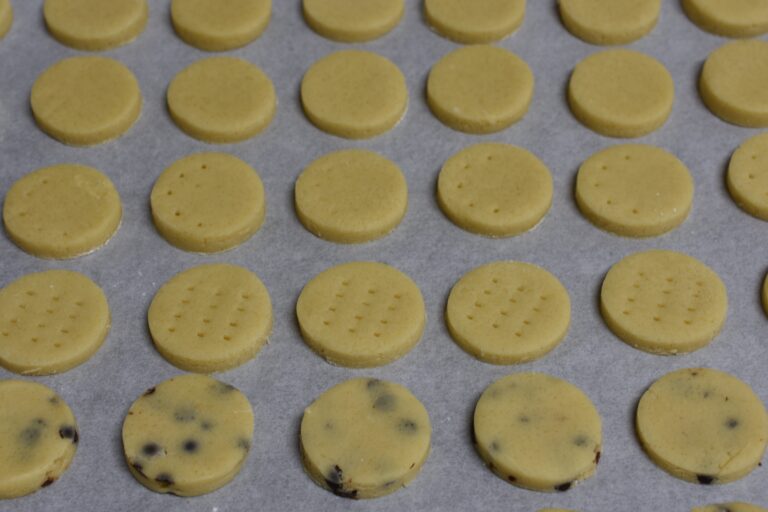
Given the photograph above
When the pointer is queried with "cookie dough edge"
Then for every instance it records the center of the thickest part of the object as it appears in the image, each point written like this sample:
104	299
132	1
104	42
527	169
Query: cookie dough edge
126	36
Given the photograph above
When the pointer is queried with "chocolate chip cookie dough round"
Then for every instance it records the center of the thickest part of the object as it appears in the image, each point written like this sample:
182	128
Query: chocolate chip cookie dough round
608	22
474	21
353	21
215	26
95	24
365	438
735	506
747	177
6	17
735	18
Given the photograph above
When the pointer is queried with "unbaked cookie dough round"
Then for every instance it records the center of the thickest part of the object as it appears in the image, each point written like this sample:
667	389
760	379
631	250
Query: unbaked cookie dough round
216	25
6	17
474	21
747	177
351	196
494	189
538	432
702	425
86	100
608	22
51	322
634	190
95	24
361	314
208	202
621	93
735	506
734	18
188	436
734	83
354	94
38	437
480	89
353	21
663	302
365	438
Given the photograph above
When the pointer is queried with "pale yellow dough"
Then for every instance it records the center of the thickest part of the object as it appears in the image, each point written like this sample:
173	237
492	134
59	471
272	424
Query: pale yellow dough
51	322
474	21
86	100
95	24
508	312
365	438
730	18
354	94
634	190
608	22
6	17
747	177
736	506
621	93
208	202
663	302
219	25
361	314
495	189
480	89
702	425
353	21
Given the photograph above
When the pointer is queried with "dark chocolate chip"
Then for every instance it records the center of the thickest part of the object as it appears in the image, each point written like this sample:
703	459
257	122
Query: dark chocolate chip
385	402
732	423
334	480
138	468
373	383
597	457
190	446
150	449
580	440
149	391
694	373
48	481
495	446
67	432
524	419
206	425
244	444
164	479
705	479
706	394
491	466
54	400
511	478
328	425
30	435
39	421
563	487
76	438
184	415
407	426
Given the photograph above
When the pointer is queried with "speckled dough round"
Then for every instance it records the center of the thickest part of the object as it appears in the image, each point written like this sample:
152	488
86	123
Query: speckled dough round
734	18
216	25
95	24
736	506
747	177
609	21
475	21
702	425
6	17
365	438
538	432
353	21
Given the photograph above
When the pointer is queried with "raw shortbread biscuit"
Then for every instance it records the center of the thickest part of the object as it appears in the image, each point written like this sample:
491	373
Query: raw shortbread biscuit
736	506
188	436
508	312
38	437
354	94
747	177
731	18
494	189
663	302
351	196
474	21
702	425
86	100
608	22
51	322
537	431
211	318
634	190
216	25
95	24
621	93
6	17
480	89
365	438
353	21
208	202
361	314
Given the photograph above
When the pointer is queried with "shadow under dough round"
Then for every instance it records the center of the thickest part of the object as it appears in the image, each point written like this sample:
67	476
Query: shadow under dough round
215	25
609	22
474	21
734	18
6	17
747	177
353	21
95	25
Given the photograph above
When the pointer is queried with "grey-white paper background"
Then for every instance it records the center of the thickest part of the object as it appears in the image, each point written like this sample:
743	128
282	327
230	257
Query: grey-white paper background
286	376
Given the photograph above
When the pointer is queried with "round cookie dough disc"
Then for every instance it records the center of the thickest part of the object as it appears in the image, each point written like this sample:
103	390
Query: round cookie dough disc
86	100
95	24
621	93
221	100
734	83
361	314
609	21
51	322
6	17
188	436
663	302
475	21
480	89
747	177
495	189
736	506
537	431
365	438
353	21
351	196
62	211
354	94
634	190
216	25
38	437
211	318
734	18
508	312
208	202
702	425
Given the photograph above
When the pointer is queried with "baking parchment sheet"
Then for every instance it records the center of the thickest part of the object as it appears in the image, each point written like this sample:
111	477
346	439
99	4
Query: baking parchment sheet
286	376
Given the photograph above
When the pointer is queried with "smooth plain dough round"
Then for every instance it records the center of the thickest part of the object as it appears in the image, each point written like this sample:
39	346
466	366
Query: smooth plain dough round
494	189
365	438
361	314
354	94
663	302
734	506
95	24
608	22
219	25
208	202
351	196
747	177
353	21
731	18
538	432
474	21
621	93
188	436
51	321
734	83
38	437
211	318
86	100
480	89
508	312
634	190
6	17
702	425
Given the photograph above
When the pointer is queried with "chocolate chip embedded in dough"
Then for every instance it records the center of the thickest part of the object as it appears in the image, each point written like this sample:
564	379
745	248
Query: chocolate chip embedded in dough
580	441
190	446
149	391
244	444
374	383
386	402
164	479
151	449
705	479
732	423
407	426
69	432
138	468
495	446
184	414
563	487
335	482
48	481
